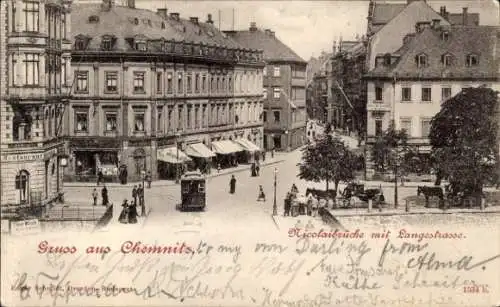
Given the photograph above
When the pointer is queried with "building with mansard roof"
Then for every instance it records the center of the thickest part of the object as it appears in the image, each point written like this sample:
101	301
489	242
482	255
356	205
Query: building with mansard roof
406	87
154	91
34	71
284	88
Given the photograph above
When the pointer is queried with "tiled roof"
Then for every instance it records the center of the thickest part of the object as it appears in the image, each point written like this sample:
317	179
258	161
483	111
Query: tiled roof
462	41
123	22
384	12
457	19
274	49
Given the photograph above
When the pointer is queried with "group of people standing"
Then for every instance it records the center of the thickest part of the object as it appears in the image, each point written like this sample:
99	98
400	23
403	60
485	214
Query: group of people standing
104	195
129	212
309	207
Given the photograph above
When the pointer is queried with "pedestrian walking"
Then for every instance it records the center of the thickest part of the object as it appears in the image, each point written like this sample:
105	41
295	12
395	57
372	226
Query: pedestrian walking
232	185
288	204
218	167
262	195
104	194
123	218
140	194
132	214
257	169
134	194
95	195
263	156
100	176
149	178
272	153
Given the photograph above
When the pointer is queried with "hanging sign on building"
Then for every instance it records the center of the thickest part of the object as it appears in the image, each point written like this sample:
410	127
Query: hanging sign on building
22	157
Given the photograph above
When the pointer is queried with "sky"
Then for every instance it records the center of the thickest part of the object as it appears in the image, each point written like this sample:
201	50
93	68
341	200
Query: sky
308	26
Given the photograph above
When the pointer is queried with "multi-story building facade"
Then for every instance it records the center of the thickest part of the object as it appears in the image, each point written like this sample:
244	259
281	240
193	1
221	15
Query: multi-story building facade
34	74
150	84
407	87
284	89
347	101
317	97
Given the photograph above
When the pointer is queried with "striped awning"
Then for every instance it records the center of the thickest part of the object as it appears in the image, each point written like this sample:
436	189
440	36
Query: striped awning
249	146
199	150
171	155
226	147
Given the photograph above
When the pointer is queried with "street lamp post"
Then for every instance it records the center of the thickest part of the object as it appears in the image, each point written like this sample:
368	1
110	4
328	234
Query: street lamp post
177	136
275	207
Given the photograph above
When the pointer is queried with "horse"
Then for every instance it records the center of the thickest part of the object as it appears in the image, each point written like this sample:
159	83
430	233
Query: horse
321	194
431	192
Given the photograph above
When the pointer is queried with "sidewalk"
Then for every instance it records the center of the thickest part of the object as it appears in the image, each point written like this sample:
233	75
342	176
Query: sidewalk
279	157
401	210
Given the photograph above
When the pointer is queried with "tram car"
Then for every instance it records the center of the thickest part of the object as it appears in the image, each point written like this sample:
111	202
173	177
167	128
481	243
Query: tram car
193	191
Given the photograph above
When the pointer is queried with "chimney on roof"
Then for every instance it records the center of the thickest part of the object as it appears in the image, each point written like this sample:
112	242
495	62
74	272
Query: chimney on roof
194	20
436	23
209	19
175	16
162	12
464	16
131	4
253	26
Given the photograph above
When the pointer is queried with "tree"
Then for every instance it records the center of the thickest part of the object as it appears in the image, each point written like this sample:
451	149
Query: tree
328	159
463	136
391	150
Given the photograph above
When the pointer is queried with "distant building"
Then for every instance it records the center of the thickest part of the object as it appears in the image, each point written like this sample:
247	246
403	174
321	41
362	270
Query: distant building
406	87
347	97
35	43
153	91
284	88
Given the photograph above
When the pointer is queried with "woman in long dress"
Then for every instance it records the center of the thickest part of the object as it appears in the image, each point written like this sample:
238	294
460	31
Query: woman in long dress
132	214
123	218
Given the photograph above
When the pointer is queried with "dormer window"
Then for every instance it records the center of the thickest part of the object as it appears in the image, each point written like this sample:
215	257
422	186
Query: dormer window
136	21
169	47
471	60
149	23
379	61
81	42
446	59
140	46
445	35
107	42
93	19
163	25
421	60
387	60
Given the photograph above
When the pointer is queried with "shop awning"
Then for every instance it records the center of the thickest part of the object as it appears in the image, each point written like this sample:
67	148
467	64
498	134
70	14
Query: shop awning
199	150
226	147
248	145
169	155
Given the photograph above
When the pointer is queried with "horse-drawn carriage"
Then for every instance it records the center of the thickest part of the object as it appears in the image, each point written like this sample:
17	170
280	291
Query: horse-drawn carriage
356	190
447	197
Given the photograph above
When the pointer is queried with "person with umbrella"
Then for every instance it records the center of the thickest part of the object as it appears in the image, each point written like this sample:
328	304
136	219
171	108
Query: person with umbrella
232	185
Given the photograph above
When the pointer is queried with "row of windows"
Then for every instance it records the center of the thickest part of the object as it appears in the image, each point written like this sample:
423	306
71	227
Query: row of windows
297	72
405	123
406	94
55	67
422	60
196	82
31	18
210	115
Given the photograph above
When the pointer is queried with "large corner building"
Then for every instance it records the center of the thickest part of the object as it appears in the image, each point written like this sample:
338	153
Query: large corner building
153	90
35	44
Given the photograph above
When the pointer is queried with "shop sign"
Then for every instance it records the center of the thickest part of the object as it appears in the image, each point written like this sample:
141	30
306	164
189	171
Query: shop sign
25	227
23	157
